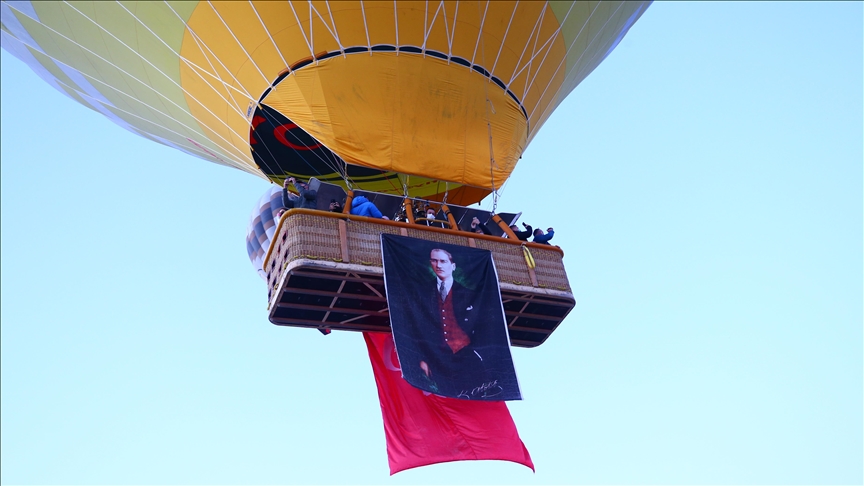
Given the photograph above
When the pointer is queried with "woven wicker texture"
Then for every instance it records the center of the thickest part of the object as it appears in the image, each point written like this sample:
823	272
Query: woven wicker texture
317	237
550	270
364	242
512	268
439	237
303	236
312	237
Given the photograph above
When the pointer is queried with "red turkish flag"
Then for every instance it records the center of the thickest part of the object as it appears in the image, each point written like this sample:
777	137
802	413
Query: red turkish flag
423	429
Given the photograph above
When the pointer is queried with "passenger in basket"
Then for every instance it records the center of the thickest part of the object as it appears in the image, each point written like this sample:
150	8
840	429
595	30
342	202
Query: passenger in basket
361	206
308	198
420	213
289	199
478	227
540	237
429	219
335	206
522	235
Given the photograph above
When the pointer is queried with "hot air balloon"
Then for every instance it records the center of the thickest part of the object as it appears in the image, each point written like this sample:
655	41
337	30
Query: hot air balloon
421	101
404	103
411	98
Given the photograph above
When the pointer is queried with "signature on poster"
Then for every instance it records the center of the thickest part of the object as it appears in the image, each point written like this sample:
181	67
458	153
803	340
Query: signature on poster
486	390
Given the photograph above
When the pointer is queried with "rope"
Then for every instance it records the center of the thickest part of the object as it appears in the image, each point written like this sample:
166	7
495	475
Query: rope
494	200
348	182
529	258
488	106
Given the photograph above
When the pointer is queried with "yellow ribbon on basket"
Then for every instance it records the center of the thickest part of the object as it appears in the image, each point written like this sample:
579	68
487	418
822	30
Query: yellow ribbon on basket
529	258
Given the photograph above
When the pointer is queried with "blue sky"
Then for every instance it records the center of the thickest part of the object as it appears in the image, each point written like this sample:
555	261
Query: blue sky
705	183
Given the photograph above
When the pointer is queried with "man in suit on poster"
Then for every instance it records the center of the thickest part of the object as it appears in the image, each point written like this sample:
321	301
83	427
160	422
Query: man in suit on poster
448	322
458	353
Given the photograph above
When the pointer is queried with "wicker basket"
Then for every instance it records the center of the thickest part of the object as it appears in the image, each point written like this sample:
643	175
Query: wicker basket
304	234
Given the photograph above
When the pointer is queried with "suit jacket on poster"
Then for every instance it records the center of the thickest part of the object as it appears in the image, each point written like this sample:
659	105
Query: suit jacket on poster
466	312
457	373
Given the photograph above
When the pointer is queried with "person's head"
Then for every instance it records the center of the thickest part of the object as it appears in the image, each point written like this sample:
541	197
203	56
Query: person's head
514	228
479	231
430	213
335	206
304	185
538	232
442	263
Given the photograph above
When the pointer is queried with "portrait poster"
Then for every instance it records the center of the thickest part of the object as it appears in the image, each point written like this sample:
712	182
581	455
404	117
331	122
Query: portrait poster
447	319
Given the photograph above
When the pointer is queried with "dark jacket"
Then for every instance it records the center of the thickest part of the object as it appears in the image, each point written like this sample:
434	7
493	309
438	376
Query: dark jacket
524	235
308	198
361	206
483	228
544	238
288	198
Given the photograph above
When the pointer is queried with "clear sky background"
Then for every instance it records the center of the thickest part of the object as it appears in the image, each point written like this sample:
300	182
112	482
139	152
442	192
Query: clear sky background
705	183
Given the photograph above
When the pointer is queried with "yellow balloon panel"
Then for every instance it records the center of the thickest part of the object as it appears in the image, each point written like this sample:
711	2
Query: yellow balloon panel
408	114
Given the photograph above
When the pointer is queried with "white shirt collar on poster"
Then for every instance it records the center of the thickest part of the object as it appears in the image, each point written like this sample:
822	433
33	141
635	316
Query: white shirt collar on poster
448	284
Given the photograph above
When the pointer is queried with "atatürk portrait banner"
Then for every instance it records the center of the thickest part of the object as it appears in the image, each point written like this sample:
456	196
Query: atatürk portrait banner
447	319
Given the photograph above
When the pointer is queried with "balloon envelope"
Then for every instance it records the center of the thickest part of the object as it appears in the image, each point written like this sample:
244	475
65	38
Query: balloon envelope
416	97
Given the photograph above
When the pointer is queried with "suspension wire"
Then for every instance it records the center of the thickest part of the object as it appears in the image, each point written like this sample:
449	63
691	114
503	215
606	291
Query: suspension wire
547	46
199	42
240	44
573	70
165	98
337	165
325	159
252	149
495	201
487	107
264	26
208	53
349	184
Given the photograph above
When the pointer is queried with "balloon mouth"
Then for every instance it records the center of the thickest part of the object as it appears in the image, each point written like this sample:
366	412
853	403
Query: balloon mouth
400	49
395	111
